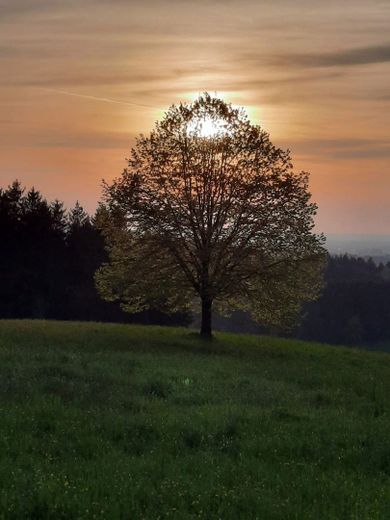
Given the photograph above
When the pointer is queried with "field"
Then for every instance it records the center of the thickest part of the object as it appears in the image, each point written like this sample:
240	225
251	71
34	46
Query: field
117	421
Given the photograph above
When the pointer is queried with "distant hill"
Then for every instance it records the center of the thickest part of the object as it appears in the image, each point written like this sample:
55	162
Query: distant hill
376	247
118	421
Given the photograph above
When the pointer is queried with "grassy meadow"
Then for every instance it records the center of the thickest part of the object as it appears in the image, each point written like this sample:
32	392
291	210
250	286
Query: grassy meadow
130	422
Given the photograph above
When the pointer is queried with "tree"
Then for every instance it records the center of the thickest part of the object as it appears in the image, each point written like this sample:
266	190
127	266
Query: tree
78	218
209	207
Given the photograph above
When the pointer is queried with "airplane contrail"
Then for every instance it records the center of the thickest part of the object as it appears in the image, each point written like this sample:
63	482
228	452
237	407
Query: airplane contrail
96	98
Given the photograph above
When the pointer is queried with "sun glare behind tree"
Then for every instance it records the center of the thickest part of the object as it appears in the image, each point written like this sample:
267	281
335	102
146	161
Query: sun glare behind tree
209	208
207	127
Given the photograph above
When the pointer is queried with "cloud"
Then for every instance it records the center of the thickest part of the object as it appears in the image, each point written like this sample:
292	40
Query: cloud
342	58
343	148
83	141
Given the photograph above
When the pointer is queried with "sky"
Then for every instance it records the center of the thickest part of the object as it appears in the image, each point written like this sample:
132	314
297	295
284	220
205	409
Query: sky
80	79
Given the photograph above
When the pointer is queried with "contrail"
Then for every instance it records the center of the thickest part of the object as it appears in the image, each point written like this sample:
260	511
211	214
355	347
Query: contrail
95	98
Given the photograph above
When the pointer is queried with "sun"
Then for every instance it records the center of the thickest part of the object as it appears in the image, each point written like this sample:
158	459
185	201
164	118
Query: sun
207	127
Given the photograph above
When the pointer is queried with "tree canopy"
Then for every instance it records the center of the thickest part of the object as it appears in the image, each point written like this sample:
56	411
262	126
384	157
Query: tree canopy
208	207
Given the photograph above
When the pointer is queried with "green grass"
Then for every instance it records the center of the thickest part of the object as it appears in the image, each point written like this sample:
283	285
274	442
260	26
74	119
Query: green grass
115	421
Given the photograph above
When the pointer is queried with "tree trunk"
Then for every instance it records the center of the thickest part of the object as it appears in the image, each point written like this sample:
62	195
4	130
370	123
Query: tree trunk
205	330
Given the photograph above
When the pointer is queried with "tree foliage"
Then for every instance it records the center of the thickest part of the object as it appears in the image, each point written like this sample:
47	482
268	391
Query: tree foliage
209	207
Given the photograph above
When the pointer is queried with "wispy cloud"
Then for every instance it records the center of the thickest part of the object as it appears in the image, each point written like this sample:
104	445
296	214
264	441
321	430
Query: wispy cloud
342	58
97	98
343	148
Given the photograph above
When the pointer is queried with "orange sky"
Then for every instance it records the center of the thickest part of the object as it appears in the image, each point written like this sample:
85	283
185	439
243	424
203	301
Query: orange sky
79	79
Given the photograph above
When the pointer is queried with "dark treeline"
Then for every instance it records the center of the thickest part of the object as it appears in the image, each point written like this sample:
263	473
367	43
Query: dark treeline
354	307
355	304
48	258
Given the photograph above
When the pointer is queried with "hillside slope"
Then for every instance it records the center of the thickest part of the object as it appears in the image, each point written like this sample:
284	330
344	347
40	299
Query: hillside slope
117	421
